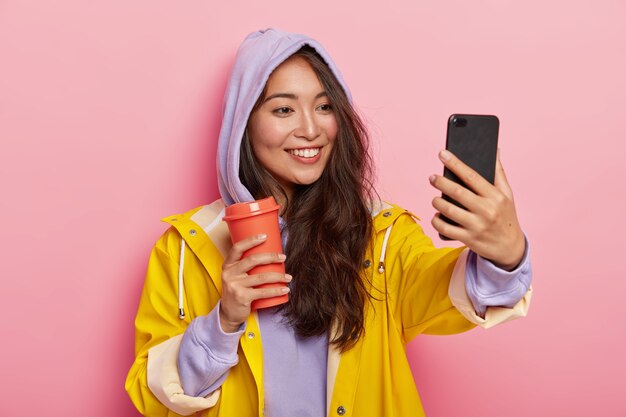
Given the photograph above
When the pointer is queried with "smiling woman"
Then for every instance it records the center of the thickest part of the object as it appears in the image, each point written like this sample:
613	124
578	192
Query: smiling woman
363	279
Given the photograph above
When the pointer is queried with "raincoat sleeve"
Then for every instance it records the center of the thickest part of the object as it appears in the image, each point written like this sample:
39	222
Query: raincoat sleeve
419	285
492	302
153	383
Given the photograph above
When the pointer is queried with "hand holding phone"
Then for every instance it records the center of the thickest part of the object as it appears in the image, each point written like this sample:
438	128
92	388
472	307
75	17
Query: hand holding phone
484	217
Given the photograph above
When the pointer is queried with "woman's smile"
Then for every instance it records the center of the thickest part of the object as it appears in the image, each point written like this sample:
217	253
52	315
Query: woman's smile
305	155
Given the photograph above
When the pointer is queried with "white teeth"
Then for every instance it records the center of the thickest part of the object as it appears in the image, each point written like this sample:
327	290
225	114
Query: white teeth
305	153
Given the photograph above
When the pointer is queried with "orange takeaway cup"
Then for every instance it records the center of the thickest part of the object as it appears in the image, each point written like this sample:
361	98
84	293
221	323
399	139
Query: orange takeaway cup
253	218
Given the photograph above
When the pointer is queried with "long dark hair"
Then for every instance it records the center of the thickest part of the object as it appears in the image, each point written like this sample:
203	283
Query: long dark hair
329	223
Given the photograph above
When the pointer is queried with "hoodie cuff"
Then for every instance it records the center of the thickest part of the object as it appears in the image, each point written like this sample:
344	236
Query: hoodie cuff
207	332
206	354
490	286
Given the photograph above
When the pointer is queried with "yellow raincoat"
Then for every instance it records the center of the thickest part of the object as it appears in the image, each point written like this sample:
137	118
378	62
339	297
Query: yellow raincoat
409	280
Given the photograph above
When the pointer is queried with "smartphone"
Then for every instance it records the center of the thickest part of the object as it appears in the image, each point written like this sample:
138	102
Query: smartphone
473	138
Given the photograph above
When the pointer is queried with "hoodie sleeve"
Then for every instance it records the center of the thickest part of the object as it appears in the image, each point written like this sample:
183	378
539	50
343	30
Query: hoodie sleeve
206	354
490	286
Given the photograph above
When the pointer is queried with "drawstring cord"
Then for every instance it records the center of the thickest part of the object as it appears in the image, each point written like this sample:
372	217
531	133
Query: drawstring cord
381	261
181	310
181	287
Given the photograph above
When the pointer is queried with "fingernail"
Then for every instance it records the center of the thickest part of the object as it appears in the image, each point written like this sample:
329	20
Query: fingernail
432	178
284	290
288	277
282	256
261	236
445	155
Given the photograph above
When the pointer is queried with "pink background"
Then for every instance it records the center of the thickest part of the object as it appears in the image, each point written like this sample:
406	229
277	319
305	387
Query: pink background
108	117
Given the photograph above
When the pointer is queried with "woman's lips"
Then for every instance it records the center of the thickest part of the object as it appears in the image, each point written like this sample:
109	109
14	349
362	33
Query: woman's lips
305	152
305	155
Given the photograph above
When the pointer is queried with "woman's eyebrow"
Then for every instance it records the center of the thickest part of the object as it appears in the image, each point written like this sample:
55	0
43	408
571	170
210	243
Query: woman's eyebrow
291	96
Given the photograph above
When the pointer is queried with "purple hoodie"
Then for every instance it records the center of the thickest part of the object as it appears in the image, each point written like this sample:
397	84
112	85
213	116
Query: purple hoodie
294	368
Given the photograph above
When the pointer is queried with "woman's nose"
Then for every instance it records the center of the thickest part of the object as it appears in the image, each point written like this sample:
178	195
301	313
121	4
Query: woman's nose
309	127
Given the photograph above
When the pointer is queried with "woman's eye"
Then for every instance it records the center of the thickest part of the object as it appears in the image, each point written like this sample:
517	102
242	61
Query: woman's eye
282	111
325	108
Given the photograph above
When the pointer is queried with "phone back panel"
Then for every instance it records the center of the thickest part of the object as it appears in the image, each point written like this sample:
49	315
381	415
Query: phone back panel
473	139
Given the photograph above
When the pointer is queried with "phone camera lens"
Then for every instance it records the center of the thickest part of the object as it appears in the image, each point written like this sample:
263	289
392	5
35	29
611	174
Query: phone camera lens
459	122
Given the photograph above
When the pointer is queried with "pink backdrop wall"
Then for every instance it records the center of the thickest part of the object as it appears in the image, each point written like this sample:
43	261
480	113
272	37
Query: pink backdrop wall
108	118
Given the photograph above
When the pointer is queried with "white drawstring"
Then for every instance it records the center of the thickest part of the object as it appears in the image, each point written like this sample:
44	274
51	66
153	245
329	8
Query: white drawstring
181	289
381	261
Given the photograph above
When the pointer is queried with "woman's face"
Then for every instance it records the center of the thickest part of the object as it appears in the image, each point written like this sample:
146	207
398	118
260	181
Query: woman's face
293	131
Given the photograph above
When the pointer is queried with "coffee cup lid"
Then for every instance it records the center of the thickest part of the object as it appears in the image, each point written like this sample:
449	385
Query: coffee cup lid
252	208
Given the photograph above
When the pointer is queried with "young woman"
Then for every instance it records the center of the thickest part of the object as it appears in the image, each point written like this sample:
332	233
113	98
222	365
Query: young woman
363	279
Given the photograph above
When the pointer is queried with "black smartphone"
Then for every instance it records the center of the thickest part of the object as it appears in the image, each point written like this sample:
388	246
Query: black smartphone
473	138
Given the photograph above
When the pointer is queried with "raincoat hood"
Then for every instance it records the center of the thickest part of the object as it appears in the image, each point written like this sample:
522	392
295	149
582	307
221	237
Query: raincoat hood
259	54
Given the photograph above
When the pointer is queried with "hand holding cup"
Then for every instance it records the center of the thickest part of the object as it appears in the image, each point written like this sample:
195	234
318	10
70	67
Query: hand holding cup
253	273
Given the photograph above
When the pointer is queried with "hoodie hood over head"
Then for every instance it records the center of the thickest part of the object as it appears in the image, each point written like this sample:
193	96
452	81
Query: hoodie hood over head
258	56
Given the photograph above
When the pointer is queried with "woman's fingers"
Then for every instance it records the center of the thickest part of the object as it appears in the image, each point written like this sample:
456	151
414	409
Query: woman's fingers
453	212
501	181
488	225
259	293
239	248
245	290
447	229
480	196
265	278
457	192
237	264
250	261
239	289
471	178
